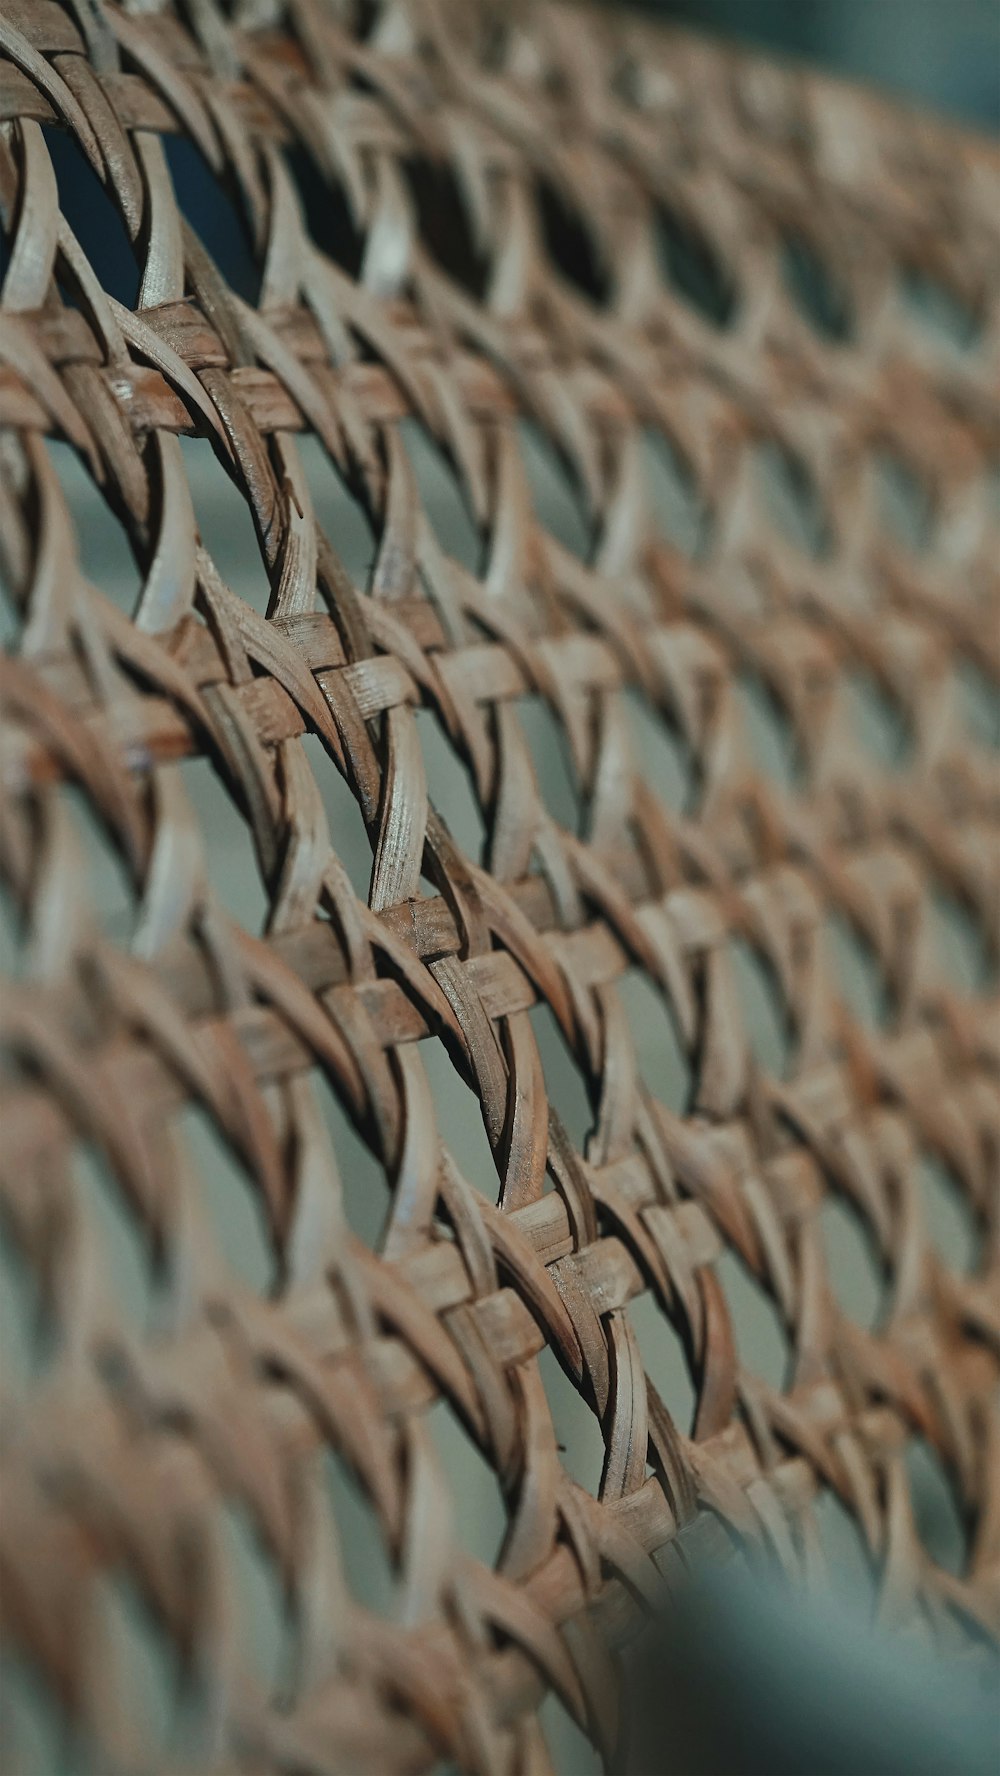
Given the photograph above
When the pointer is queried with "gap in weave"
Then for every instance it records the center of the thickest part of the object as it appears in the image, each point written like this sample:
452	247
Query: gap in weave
556	500
660	753
938	309
450	787
445	223
570	1750
936	1513
344	819
227	847
555	773
140	1665
103	882
771	741
765	1021
663	1358
760	1338
230	1197
979	704
122	1249
215	214
478	1512
104	550
260	1615
814	287
904	502
570	241
339	512
364	1188
855	972
364	1557
876	720
225	525
948	1215
565	1088
663	1066
94	218
692	266
790	497
961	945
848	1565
678	509
852	1264
578	1434
14	933
27	1330
329	219
441	496
36	1729
459	1119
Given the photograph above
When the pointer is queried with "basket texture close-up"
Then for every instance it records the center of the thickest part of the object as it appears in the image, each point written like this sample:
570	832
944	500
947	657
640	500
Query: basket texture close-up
499	849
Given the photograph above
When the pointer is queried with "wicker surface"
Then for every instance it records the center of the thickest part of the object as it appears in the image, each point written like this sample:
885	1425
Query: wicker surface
659	254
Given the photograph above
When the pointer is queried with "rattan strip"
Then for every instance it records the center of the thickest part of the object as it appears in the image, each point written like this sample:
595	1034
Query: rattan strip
495	187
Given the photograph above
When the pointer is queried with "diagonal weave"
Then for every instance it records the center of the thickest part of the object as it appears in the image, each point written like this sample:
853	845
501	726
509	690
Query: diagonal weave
719	703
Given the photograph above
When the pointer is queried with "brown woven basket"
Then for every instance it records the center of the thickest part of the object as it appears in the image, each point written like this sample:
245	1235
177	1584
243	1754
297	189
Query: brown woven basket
499	532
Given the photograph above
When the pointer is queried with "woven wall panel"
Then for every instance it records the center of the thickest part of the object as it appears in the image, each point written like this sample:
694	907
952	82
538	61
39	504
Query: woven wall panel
671	745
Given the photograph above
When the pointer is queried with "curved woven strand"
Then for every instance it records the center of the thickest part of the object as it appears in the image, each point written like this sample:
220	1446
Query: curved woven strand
662	313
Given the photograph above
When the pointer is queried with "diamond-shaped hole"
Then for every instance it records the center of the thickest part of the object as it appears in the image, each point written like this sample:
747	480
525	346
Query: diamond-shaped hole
877	720
692	266
814	288
979	704
229	1197
227	845
105	553
578	1433
764	1020
225	525
364	1557
104	885
459	1120
848	1566
363	1183
329	218
663	1065
261	1612
444	223
770	737
93	216
344	819
663	1358
339	512
905	505
564	1083
761	1342
570	1751
479	1515
129	1271
556	501
943	314
144	1667
550	756
570	242
851	1261
449	785
853	968
214	213
791	498
961	945
678	510
948	1215
441	494
935	1509
660	753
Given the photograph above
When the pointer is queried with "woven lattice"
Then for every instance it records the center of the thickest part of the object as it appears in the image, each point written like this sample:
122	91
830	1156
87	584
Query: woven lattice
671	744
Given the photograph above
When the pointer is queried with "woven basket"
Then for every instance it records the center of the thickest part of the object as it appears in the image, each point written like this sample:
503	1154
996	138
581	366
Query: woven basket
500	849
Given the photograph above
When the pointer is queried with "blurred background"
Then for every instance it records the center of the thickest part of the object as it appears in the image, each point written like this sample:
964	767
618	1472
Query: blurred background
940	52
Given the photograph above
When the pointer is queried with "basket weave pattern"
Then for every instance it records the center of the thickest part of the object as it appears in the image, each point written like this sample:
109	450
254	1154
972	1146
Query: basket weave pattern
468	216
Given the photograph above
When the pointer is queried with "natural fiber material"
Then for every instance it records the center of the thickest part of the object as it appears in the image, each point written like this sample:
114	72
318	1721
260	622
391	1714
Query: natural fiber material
699	278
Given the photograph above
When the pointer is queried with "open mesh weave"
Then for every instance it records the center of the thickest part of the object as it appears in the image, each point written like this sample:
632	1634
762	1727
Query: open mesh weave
671	742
